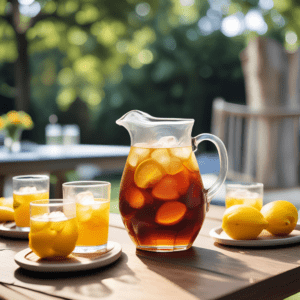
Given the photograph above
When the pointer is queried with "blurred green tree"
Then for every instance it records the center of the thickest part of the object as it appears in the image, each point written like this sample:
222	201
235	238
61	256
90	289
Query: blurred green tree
175	58
84	32
187	72
191	61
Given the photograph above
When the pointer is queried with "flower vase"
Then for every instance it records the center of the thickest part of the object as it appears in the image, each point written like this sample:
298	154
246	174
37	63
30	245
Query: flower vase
12	139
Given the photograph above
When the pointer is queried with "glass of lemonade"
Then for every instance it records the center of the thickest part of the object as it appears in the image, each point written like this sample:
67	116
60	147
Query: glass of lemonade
249	194
26	189
53	228
92	212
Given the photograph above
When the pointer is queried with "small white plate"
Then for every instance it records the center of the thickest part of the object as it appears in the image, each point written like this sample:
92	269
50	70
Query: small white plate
10	230
75	262
265	239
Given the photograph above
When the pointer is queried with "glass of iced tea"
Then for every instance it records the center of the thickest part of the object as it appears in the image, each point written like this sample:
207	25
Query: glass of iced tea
92	200
26	189
53	228
249	194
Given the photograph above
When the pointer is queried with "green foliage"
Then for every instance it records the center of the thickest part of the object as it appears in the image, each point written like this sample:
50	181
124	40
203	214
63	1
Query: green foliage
187	70
91	61
184	78
84	32
281	19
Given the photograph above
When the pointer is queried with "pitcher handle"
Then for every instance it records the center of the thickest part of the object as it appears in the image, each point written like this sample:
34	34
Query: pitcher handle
223	161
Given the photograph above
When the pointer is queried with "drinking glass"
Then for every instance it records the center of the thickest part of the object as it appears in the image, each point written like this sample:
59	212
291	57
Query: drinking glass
26	189
92	212
248	193
53	228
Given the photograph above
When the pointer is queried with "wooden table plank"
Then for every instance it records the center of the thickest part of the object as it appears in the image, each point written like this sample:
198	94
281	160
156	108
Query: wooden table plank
206	271
33	294
8	294
215	213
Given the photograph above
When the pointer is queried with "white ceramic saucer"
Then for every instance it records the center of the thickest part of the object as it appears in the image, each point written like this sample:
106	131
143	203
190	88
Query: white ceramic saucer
75	262
11	230
263	240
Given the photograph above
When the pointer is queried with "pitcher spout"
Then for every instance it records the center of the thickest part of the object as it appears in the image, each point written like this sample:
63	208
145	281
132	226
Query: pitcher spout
151	131
133	117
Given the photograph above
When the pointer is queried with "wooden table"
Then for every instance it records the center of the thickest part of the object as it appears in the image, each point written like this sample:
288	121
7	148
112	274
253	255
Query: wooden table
59	159
206	271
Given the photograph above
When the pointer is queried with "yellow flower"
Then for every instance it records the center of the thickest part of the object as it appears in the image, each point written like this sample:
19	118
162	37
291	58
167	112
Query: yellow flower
27	121
2	123
14	117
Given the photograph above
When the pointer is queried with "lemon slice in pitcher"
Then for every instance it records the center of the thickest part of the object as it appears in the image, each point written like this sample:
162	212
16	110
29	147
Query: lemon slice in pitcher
148	173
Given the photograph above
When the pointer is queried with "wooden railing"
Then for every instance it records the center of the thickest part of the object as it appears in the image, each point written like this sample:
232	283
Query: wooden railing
250	151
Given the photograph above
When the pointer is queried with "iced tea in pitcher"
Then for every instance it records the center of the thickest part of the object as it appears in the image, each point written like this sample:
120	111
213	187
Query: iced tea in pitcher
161	198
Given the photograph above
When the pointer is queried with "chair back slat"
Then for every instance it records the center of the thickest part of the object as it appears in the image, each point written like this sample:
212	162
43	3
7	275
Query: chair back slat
259	157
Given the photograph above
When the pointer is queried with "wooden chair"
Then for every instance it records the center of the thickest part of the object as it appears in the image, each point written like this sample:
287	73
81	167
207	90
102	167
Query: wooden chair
255	152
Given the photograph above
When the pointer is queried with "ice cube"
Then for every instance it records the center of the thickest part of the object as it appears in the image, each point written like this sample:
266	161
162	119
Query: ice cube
175	166
171	165
40	223
85	198
182	153
41	218
161	156
57	216
137	155
166	142
84	212
57	219
170	213
44	217
27	190
96	205
54	216
49	223
148	173
100	213
192	163
242	193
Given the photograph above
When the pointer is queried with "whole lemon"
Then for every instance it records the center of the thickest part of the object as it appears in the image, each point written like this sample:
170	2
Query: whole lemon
242	222
281	215
8	202
6	214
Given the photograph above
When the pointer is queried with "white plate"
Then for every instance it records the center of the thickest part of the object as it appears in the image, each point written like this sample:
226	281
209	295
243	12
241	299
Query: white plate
263	240
75	262
10	230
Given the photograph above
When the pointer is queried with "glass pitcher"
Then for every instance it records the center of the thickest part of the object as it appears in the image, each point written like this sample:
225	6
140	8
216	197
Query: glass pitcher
162	198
